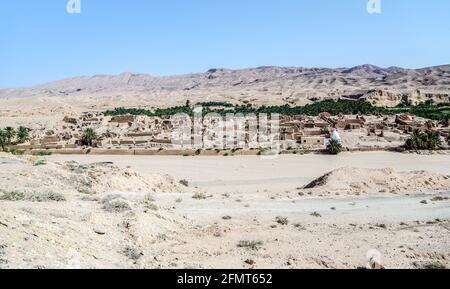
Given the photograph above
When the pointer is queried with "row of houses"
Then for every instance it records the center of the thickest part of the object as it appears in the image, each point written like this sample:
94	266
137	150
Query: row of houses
128	131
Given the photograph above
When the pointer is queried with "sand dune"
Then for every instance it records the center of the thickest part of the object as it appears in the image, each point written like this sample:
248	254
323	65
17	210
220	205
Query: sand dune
358	181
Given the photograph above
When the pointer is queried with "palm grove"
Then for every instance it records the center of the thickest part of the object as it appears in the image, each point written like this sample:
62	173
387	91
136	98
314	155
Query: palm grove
9	136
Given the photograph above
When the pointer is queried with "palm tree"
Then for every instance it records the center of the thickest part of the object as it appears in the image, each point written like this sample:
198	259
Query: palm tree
3	140
9	133
89	135
433	140
422	141
22	134
417	140
334	147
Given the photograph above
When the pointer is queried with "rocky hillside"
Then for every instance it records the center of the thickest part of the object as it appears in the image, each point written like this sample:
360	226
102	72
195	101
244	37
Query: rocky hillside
258	86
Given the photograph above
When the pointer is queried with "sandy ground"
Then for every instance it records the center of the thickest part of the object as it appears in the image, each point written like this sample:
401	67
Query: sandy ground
253	174
228	221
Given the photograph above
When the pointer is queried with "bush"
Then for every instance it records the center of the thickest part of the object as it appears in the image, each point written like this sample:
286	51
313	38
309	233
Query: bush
282	220
47	197
40	163
17	152
200	196
132	253
316	214
43	153
423	141
114	204
89	136
35	197
253	245
12	196
334	147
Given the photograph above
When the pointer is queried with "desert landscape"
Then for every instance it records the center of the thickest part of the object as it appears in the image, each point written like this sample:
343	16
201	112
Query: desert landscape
310	211
95	174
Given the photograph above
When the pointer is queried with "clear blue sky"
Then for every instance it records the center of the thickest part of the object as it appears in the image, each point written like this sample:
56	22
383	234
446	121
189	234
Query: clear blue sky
40	41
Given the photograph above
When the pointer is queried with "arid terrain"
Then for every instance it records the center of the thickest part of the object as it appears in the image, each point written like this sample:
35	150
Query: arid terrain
119	200
256	86
217	212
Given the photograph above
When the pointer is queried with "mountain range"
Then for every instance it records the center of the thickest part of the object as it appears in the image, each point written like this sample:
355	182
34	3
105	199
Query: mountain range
267	85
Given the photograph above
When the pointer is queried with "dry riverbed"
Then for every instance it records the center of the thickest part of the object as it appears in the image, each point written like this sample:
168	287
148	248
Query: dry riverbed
224	212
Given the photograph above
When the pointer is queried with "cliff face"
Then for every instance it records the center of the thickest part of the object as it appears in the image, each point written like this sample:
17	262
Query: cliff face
390	99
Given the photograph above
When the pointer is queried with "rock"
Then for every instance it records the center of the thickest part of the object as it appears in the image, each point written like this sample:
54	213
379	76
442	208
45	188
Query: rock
100	230
250	262
184	183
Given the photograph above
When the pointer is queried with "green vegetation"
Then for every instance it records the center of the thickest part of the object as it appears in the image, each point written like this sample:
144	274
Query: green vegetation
89	135
40	163
423	141
448	140
316	214
132	253
15	196
47	197
334	147
43	153
200	196
215	104
330	106
426	110
253	245
115	204
157	112
12	196
9	136
282	220
10	133
3	140
22	134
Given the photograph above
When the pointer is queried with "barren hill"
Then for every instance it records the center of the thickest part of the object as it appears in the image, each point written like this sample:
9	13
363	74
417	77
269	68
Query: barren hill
257	86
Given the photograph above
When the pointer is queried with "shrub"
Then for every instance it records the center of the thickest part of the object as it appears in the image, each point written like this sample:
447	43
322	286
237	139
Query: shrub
253	245
89	135
40	163
334	147
423	141
226	218
17	152
43	153
184	183
200	196
316	214
433	265
22	134
132	253
114	204
35	197
282	220
86	191
3	140
47	197
149	203
12	196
